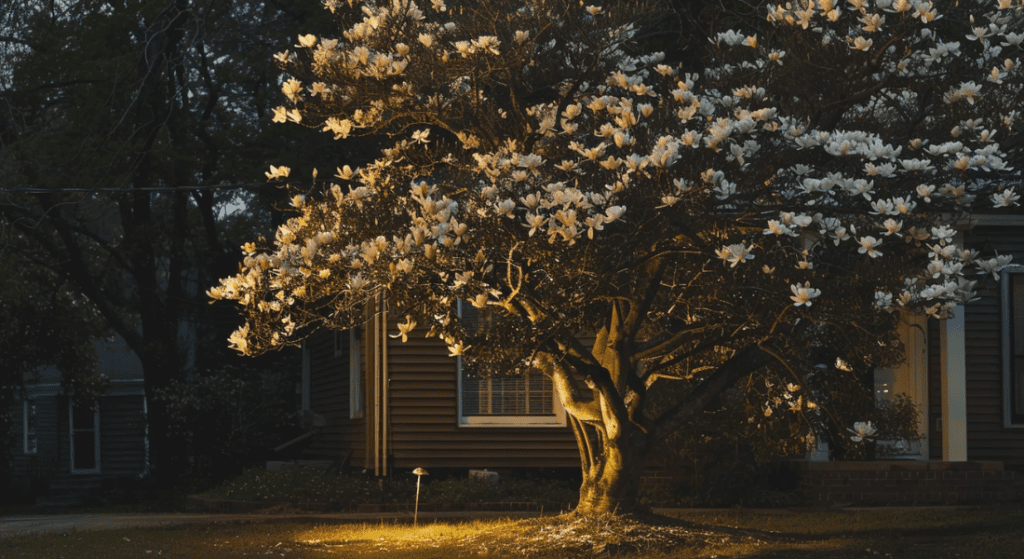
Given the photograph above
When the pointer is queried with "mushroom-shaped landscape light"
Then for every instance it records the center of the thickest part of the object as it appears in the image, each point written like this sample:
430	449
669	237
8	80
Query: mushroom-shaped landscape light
419	473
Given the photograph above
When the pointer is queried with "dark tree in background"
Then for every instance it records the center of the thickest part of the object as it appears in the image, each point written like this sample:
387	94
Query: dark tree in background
131	138
43	322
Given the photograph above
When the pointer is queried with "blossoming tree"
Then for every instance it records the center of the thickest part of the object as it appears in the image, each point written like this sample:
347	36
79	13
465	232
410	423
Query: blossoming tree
709	222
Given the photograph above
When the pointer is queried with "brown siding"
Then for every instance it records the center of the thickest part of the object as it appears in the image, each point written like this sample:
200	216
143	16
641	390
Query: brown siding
329	396
987	439
424	424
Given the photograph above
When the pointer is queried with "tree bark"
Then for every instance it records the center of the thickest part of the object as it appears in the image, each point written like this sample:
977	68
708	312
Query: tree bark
614	446
611	470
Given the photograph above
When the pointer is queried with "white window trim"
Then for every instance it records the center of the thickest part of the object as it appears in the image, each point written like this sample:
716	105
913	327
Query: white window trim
27	406
558	419
96	439
355	375
1007	343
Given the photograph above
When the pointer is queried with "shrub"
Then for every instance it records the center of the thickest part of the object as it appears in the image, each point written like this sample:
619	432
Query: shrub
303	483
461	491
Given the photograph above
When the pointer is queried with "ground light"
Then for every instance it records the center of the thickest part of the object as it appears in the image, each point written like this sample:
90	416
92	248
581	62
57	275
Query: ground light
419	473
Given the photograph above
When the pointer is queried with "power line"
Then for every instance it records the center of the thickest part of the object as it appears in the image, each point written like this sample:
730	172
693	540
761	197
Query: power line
232	186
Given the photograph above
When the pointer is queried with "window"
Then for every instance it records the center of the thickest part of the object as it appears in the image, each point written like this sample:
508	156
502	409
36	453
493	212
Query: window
528	394
526	400
84	423
1012	286
30	440
354	341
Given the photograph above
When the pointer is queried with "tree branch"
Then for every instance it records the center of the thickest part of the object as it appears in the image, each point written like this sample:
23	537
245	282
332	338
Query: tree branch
573	402
638	311
742	363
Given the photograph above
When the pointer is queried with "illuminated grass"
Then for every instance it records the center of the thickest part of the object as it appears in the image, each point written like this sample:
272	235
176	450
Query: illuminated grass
898	533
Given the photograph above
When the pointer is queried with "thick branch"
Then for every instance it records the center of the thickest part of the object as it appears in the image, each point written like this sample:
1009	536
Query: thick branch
572	400
639	309
744	362
709	344
666	343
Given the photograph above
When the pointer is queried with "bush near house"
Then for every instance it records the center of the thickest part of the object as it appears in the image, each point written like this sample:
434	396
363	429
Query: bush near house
308	484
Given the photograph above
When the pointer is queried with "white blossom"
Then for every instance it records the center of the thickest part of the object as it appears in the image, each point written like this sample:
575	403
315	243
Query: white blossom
735	254
994	265
862	431
1005	198
404	328
802	294
278	172
869	245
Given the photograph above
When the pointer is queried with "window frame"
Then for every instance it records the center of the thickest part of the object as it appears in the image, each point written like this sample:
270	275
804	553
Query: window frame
1007	304
95	438
29	412
556	419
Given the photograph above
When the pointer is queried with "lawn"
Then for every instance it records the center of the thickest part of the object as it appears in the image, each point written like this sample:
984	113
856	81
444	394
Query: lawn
982	533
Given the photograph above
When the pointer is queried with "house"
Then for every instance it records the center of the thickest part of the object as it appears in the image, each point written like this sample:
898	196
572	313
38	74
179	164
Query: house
966	374
975	405
386	405
65	453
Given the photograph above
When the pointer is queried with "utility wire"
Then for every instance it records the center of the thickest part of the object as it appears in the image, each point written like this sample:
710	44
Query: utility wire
232	186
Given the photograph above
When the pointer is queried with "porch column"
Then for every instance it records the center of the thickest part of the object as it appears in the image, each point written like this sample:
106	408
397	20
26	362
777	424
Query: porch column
954	387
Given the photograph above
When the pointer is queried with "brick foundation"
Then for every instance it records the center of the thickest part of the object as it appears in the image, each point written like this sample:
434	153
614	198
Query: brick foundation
898	482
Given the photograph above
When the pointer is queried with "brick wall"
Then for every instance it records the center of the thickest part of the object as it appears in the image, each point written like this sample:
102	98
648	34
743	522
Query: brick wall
907	483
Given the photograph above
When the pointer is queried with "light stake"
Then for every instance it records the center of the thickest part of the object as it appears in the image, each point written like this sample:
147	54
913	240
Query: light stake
419	473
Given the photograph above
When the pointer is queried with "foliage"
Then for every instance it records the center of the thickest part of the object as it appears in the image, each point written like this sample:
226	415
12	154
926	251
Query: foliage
43	323
469	490
298	483
731	218
302	483
129	135
719	461
232	416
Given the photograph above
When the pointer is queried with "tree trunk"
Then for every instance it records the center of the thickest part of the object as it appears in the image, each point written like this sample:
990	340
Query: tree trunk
611	470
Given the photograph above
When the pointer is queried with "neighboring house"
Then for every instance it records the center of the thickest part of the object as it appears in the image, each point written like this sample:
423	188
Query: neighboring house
64	453
384	404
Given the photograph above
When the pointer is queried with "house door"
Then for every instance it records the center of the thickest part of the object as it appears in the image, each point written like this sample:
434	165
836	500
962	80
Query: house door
911	379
